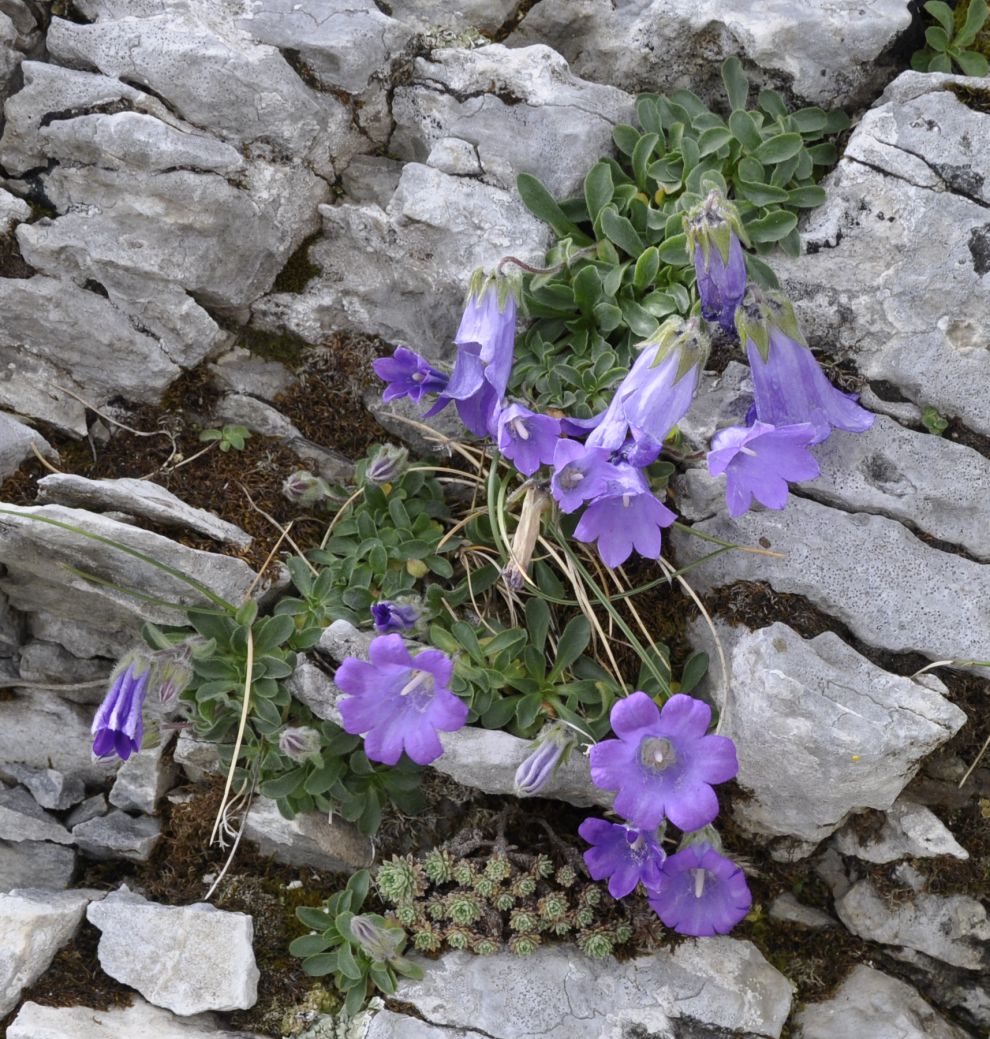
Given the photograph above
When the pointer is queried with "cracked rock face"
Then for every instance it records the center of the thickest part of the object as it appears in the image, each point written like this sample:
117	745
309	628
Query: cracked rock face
897	258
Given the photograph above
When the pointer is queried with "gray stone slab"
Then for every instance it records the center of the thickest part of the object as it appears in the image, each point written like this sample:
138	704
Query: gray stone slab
49	787
143	780
118	836
307	840
35	864
910	831
23	819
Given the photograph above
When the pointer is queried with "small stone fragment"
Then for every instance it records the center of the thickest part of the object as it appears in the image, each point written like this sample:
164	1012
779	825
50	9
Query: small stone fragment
118	836
142	780
909	831
49	787
23	819
89	809
786	907
308	839
35	864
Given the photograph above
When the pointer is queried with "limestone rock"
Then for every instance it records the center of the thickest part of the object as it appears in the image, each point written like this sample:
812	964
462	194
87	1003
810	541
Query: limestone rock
34	925
871	1003
143	780
465	17
80	680
89	809
49	787
786	907
37	864
185	958
118	836
23	819
717	983
869	572
378	265
501	101
198	758
308	839
240	372
896	259
954	929
139	498
910	831
826	52
820	731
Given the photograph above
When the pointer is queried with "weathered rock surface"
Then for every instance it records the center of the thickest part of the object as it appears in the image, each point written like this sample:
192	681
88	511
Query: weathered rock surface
308	839
23	819
34	925
820	731
787	907
34	1021
869	572
18	442
500	101
378	265
139	498
718	983
954	929
49	787
143	780
870	1003
118	835
896	260
488	16
910	831
827	52
185	958
197	757
239	372
37	864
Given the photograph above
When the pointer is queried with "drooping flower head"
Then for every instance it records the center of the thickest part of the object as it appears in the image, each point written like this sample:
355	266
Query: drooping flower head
386	465
625	855
538	768
526	438
701	892
759	461
579	473
389	617
118	726
485	342
299	743
663	764
789	385
408	375
535	502
714	230
399	702
303	488
627	515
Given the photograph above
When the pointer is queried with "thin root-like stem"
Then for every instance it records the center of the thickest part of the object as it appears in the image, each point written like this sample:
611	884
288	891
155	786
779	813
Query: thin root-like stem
245	707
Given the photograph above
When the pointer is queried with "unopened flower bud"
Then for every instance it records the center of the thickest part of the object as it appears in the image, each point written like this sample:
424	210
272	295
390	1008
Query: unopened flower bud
379	942
303	488
299	744
387	466
390	617
537	770
172	677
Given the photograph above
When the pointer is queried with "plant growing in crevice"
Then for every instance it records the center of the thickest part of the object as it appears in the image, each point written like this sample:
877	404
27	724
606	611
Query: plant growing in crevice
950	41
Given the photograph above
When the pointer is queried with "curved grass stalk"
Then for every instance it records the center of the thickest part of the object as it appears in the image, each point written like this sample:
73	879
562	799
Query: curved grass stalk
694	532
340	512
249	669
44	461
127	550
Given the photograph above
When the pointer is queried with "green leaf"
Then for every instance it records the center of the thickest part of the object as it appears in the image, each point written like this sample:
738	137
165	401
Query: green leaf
772	227
736	83
468	640
358	884
608	316
673	251
598	188
542	204
625	138
283	785
537	622
693	672
761	272
778	149
976	16
772	103
646	113
318	966
809	120
587	288
972	63
500	713
315	919
408	968
641	157
745	131
761	194
510	641
320	781
940	63
620	231
573	642
714	139
355	1000
942	12
937	38
646	269
640	321
347	965
308	945
823	154
272	632
807	197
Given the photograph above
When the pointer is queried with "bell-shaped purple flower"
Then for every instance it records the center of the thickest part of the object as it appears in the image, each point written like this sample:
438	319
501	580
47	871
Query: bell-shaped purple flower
118	727
701	892
625	855
713	230
759	461
789	386
663	764
626	516
485	341
538	768
399	702
408	375
579	473
389	617
526	438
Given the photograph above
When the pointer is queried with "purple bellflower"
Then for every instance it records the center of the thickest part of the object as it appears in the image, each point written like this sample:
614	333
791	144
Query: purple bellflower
626	516
527	439
625	855
579	473
663	764
118	727
408	375
759	461
399	702
701	892
538	768
789	385
390	617
485	342
713	230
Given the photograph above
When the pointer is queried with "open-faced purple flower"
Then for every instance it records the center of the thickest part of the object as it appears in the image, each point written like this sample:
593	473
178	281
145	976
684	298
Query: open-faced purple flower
713	230
390	617
789	385
485	340
399	702
626	516
526	438
118	727
701	892
408	375
759	462
580	473
658	389
625	855
663	764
